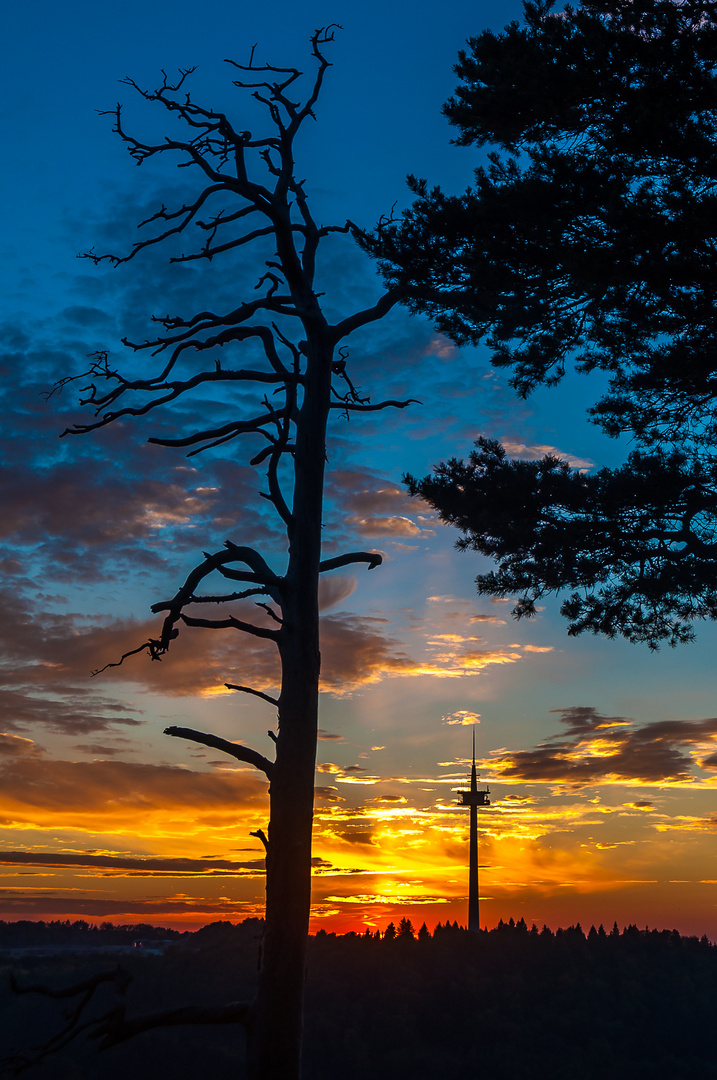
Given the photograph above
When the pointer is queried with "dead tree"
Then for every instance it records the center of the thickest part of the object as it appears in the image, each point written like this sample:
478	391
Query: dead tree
248	193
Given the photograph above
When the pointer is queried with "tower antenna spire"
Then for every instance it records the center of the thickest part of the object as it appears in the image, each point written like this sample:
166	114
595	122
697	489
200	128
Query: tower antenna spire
473	799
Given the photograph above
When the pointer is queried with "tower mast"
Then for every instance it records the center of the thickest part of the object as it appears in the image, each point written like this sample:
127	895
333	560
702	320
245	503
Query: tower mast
473	799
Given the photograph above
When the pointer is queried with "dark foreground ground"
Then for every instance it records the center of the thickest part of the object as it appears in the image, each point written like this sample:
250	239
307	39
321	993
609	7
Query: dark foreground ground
508	1005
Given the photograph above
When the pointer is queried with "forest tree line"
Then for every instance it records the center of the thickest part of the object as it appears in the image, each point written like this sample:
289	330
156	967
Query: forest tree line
514	1001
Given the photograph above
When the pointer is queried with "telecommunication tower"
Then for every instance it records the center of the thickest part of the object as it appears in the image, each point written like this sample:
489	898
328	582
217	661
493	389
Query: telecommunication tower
474	798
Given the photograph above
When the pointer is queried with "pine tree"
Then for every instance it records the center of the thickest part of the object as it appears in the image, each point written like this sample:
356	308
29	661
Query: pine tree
588	238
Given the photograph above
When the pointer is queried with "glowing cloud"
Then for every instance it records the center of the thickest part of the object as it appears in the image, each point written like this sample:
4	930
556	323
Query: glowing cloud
462	716
598	749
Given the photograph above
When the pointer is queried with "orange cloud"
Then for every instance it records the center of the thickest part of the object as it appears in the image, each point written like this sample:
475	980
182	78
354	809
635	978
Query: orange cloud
123	796
598	749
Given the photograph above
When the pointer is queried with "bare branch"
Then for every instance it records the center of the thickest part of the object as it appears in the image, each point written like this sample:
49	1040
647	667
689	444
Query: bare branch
162	214
231	623
116	1028
260	574
371	557
271	613
222	599
173	390
256	693
118	976
232	430
373	314
208	252
352	406
261	835
241	753
154	646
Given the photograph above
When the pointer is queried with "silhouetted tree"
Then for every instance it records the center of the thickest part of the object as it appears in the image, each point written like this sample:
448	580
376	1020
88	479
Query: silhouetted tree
589	237
296	375
636	545
405	929
389	933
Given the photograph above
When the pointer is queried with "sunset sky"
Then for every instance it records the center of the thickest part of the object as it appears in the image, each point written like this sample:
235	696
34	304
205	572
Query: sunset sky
601	757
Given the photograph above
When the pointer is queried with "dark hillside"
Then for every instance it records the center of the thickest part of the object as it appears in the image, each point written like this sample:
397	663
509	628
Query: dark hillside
510	1004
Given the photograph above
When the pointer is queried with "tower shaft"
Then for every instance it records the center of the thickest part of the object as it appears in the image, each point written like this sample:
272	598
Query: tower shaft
473	799
473	893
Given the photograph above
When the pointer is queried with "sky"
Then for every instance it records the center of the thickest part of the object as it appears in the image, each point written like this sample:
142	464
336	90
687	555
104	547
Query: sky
601	757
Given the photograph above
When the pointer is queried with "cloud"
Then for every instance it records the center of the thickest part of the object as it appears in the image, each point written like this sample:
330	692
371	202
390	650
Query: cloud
104	510
333	589
385	526
582	719
687	823
15	747
462	716
598	749
391	899
68	505
328	794
535	451
83	315
374	507
98	750
121	794
149	867
355	835
157	912
355	652
50	655
347	774
71	710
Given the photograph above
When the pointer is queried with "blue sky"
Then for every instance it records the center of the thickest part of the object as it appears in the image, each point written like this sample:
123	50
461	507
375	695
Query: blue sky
96	529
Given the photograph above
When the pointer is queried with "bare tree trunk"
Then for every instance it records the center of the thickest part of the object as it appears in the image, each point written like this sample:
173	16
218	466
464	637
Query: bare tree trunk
275	1031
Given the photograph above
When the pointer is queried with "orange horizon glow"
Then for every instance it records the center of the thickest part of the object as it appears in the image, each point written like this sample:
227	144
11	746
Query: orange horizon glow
180	854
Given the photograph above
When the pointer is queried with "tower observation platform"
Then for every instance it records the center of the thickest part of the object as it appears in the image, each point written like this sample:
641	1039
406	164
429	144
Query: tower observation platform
474	798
